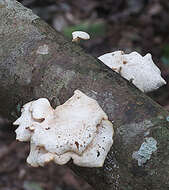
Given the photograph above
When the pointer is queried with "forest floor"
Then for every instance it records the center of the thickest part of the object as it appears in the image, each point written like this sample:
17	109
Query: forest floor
128	25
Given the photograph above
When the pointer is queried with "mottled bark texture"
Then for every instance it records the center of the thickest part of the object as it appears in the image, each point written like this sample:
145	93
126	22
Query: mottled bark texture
139	158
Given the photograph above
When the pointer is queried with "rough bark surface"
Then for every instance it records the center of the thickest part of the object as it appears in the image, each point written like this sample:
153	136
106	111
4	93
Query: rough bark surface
139	158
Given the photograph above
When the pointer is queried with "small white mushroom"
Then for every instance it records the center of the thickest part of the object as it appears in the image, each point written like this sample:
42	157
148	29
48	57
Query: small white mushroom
80	35
140	70
79	130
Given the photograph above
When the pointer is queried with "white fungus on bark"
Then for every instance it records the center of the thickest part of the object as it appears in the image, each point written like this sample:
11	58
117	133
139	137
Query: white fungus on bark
140	70
78	130
80	35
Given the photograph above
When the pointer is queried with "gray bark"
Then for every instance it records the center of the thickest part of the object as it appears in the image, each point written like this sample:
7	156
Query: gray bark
135	161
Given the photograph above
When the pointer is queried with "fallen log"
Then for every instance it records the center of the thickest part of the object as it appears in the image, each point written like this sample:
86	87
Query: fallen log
36	61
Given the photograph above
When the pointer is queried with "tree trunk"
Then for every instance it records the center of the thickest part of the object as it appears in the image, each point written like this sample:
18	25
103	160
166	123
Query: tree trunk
139	157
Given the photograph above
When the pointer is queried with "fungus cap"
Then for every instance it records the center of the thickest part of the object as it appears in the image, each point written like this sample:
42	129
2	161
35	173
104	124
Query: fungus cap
78	35
141	70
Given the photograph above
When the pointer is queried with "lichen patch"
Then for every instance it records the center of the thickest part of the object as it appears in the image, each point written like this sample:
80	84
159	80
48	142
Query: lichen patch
145	151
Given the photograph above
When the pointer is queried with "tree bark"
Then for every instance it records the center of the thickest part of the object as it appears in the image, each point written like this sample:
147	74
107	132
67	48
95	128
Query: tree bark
139	157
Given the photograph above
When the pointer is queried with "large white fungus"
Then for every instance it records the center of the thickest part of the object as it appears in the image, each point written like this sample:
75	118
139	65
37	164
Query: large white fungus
140	70
78	130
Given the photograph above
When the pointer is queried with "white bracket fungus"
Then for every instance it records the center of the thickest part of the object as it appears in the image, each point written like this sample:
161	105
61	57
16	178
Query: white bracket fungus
78	130
140	70
80	35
